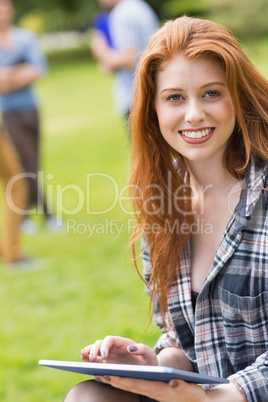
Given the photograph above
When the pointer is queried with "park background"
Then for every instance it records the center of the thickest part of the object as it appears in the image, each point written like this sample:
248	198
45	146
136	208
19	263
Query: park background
88	286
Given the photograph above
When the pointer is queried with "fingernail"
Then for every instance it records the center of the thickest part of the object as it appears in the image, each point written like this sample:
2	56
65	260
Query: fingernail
107	378
132	348
91	355
103	355
97	379
82	351
174	384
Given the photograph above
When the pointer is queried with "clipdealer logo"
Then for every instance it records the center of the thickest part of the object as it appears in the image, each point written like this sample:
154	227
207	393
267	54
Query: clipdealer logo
85	199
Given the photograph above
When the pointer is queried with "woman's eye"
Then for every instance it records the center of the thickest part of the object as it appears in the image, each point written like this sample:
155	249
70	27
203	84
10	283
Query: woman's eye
175	98
211	94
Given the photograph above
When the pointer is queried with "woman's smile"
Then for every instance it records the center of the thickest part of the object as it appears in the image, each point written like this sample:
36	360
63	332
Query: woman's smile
197	136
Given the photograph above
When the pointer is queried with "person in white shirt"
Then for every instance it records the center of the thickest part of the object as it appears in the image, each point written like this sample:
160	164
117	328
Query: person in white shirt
131	24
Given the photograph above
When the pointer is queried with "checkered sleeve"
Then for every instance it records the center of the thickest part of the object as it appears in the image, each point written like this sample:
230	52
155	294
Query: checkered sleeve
253	381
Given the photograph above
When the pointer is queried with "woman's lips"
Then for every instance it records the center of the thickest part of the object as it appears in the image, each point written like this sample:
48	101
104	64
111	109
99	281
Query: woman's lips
197	136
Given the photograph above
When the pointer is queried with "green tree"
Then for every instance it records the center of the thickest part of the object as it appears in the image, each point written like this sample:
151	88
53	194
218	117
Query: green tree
176	8
247	19
61	14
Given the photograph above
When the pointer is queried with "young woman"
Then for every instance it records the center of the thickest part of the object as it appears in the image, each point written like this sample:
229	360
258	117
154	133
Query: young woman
199	136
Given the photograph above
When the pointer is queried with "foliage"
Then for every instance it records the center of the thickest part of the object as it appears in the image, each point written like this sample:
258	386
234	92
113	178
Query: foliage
247	19
174	8
35	20
57	15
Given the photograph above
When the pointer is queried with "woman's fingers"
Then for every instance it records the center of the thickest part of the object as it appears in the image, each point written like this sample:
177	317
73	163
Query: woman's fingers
117	349
84	354
91	352
174	391
154	389
95	351
107	343
115	343
148	355
102	348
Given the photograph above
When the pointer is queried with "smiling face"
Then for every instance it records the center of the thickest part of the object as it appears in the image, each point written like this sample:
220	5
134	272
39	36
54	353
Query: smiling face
194	107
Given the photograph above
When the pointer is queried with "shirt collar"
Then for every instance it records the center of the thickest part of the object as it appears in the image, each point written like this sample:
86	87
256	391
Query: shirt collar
253	184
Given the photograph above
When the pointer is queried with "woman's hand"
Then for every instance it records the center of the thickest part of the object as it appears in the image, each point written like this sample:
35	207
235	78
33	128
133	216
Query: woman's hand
115	349
174	391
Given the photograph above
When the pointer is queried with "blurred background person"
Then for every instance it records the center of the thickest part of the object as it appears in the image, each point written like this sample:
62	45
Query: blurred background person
100	24
15	203
131	23
21	64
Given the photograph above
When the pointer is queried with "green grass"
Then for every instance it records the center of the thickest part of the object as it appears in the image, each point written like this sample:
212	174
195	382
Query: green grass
89	287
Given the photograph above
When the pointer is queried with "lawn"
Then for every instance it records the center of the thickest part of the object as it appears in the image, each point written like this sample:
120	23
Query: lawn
88	287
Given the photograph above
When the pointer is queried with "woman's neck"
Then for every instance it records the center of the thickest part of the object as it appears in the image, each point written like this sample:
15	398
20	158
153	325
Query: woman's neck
212	184
212	174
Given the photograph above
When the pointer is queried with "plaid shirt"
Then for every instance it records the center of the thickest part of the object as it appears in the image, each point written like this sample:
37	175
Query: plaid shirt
227	336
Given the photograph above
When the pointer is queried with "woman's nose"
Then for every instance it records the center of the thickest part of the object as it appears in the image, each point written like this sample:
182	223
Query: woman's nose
194	112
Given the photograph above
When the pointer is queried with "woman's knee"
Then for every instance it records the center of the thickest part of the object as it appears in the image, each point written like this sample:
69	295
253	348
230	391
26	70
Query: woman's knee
82	392
89	391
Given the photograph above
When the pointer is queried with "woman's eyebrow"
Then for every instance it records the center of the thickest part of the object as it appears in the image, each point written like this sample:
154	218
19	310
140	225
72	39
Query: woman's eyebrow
171	89
213	83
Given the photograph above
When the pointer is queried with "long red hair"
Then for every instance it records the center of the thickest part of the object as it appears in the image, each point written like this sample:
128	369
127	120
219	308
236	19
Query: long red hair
161	195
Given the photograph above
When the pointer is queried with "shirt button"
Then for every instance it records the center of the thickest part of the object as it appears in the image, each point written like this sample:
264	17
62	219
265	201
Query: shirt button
266	362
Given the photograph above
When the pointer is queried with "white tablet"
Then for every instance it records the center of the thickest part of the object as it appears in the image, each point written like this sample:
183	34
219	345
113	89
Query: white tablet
155	373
